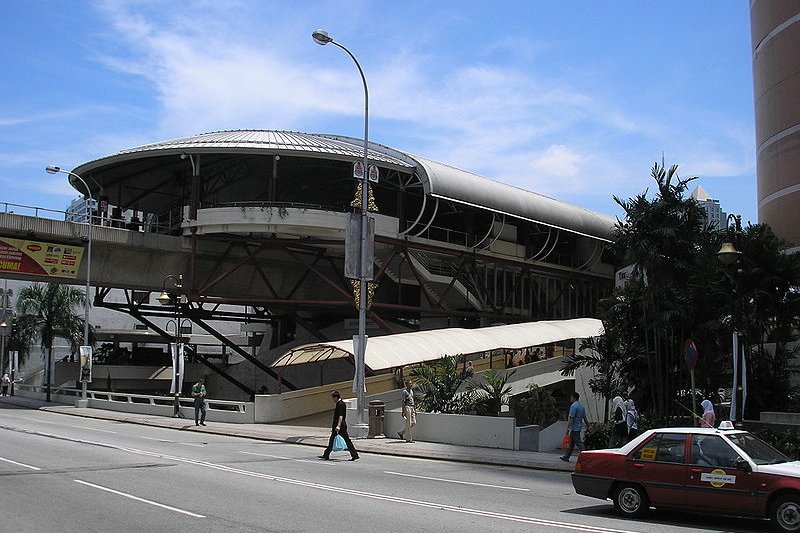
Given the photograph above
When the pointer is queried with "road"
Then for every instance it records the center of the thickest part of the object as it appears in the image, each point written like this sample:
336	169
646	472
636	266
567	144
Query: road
64	473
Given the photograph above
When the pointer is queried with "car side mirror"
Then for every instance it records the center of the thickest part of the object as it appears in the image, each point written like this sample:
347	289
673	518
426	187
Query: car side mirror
743	465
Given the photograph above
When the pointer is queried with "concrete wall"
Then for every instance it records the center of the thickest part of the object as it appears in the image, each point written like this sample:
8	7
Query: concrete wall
550	437
780	418
306	402
464	430
215	411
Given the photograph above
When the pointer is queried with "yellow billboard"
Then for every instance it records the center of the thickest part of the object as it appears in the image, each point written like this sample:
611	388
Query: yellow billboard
40	258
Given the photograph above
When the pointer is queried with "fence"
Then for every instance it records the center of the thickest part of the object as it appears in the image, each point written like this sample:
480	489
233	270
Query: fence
216	410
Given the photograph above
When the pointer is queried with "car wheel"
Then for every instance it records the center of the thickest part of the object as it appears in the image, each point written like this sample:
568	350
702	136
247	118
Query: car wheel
631	501
785	513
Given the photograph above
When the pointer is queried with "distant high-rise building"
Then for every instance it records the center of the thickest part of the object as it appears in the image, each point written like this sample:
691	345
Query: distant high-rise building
77	212
775	33
714	214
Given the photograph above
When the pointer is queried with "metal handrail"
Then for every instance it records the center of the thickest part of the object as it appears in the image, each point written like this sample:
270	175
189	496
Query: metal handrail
148	224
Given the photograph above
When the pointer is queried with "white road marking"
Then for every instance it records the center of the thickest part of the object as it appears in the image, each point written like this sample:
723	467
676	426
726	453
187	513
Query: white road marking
42	421
159	440
342	490
175	442
19	464
138	499
326	463
456	481
95	429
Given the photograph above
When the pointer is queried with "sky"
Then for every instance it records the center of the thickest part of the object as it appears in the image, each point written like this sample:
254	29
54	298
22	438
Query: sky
572	99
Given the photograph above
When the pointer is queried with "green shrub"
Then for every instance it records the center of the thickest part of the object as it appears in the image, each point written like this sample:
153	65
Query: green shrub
597	436
535	406
786	441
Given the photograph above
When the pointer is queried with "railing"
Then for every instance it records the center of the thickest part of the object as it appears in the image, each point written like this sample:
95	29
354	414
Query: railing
144	399
150	222
278	205
37	212
437	233
218	410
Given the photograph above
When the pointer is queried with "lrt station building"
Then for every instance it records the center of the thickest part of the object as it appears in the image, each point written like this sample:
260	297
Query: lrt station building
247	228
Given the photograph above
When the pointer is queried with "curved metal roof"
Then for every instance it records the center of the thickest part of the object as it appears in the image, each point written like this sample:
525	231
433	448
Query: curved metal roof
444	181
390	351
438	179
253	141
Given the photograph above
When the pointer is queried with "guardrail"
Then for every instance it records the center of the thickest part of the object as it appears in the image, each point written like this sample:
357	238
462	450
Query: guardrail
216	410
150	222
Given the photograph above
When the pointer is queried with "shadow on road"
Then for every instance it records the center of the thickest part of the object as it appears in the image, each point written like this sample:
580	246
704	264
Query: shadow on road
725	524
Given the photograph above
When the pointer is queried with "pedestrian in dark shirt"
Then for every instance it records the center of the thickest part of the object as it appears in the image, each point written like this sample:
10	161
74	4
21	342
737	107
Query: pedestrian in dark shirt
199	395
339	427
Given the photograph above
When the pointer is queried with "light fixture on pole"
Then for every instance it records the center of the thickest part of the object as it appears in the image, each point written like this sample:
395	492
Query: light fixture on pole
322	38
728	255
176	349
5	298
86	349
3	327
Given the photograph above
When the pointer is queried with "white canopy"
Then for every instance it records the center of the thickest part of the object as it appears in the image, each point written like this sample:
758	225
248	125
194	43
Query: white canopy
390	351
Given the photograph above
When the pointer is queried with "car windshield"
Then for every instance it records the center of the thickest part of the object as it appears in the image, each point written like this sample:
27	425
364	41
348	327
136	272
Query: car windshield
759	451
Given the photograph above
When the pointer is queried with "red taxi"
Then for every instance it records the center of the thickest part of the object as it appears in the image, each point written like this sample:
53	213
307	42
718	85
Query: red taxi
692	469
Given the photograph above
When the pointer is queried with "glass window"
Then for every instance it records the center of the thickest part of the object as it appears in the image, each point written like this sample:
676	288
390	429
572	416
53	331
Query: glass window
663	448
759	451
712	451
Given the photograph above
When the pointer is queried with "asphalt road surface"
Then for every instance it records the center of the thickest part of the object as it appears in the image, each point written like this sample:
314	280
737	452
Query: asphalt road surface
63	473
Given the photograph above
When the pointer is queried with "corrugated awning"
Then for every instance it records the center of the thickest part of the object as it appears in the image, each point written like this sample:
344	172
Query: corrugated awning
390	351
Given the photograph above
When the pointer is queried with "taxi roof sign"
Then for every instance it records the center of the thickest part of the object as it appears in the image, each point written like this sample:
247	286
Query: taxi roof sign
726	424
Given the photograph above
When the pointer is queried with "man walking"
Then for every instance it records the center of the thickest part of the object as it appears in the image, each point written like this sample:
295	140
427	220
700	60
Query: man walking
339	427
5	381
575	421
199	395
409	412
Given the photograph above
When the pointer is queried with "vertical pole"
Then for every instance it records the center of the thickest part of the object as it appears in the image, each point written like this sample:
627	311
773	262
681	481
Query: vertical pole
362	252
86	302
3	342
735	389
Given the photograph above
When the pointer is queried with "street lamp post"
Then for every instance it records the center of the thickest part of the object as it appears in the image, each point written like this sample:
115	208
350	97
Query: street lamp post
322	38
6	300
89	203
728	255
168	298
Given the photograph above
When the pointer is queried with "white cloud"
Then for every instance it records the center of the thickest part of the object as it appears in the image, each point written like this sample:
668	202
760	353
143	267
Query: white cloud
216	67
558	160
45	184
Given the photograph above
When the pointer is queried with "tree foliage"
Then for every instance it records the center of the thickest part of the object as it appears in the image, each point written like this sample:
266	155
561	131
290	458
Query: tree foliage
46	312
536	406
438	386
493	391
679	290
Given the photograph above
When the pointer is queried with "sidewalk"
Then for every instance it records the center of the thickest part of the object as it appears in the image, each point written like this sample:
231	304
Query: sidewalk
315	436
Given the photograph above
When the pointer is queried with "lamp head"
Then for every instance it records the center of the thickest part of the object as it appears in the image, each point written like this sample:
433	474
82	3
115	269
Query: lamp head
728	254
53	169
164	298
321	37
3	324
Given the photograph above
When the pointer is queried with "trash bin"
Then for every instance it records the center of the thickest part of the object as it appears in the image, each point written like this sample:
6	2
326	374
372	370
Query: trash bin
376	415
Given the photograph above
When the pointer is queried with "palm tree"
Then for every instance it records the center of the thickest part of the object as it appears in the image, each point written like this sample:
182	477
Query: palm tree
661	237
495	388
45	313
439	385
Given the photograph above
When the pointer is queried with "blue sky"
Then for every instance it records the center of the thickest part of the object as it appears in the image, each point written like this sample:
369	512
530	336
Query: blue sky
572	99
